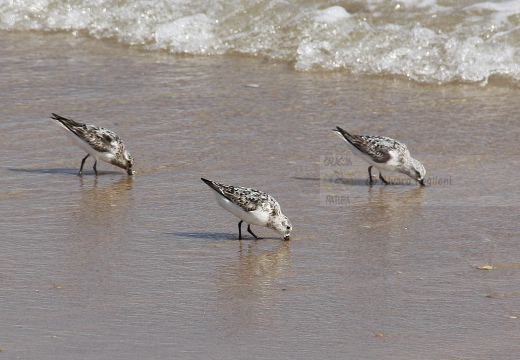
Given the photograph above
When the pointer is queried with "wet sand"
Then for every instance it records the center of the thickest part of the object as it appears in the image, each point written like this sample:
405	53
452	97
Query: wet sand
150	267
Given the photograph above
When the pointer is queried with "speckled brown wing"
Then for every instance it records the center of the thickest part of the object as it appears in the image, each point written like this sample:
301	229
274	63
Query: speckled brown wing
247	199
377	147
100	139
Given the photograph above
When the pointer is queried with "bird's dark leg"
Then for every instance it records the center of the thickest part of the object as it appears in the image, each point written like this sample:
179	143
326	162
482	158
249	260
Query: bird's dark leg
251	232
240	229
370	175
83	163
382	178
95	170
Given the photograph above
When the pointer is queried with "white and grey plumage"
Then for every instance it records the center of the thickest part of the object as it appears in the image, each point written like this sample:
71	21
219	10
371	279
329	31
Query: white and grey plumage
384	153
99	142
252	206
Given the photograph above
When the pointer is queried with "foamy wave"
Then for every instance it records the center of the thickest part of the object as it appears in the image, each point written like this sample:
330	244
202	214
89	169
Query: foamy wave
418	39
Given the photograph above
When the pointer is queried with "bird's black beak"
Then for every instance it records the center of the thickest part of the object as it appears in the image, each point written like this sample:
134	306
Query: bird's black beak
421	182
130	171
286	237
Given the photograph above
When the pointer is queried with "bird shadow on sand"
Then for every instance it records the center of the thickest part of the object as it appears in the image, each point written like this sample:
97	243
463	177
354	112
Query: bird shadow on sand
343	181
67	171
339	180
214	236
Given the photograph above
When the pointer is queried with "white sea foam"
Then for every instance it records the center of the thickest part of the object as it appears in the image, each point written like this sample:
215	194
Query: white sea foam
423	40
191	34
332	14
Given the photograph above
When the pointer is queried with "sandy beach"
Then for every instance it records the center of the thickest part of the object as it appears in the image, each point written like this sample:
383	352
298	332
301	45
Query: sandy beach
149	266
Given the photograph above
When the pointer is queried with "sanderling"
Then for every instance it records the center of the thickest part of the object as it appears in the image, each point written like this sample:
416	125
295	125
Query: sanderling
252	206
384	153
99	142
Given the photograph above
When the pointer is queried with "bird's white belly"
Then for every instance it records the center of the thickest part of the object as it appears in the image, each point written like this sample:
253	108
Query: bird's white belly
388	166
86	147
256	217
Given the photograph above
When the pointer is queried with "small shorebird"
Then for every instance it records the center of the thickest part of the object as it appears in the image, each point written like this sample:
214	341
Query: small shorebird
97	141
384	153
252	206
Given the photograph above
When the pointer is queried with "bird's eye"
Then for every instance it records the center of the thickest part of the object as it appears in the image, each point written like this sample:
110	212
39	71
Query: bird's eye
288	227
107	138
